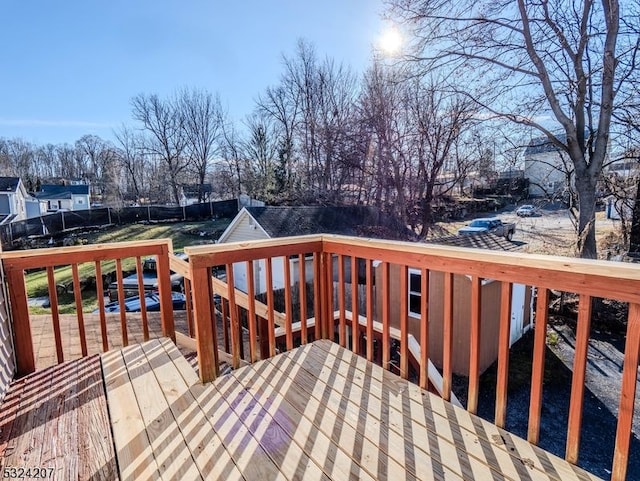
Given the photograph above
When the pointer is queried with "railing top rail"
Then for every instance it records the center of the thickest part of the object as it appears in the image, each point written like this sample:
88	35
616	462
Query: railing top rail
27	259
613	280
219	254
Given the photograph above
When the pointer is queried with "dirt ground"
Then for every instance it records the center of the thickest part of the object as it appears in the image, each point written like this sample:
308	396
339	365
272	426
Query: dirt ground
550	232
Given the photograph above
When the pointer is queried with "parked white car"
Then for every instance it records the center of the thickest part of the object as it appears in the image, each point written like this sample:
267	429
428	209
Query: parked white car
526	210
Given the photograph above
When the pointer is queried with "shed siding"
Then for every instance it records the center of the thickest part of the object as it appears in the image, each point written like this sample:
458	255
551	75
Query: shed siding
490	317
244	231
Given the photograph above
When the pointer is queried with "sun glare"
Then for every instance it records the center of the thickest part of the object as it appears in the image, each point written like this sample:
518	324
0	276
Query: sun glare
391	41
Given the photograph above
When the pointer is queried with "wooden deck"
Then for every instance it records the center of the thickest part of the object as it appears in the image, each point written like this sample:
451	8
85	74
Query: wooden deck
317	412
44	346
56	419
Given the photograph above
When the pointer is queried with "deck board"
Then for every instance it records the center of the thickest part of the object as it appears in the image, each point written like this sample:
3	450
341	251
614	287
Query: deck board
44	423
316	412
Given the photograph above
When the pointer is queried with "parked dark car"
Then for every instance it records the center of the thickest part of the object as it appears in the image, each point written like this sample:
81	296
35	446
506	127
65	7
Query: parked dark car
152	302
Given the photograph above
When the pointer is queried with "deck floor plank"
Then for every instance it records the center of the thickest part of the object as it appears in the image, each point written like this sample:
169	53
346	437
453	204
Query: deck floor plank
43	412
500	442
381	451
96	456
272	388
61	424
210	456
167	443
324	426
133	448
256	416
27	434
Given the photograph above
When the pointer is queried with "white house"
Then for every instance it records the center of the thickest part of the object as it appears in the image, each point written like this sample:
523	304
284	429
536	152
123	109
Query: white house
259	223
545	166
64	197
13	199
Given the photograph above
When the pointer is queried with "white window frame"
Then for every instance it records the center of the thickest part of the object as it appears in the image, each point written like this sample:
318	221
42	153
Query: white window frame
411	293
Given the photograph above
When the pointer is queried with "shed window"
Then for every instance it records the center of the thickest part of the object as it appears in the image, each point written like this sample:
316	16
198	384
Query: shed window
415	295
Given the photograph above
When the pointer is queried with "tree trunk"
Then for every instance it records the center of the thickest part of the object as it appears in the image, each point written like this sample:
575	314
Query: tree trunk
586	218
634	234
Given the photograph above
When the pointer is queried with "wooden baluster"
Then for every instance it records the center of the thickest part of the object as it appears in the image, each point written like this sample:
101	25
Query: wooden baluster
386	348
77	295
342	330
503	354
474	347
55	314
206	337
303	298
369	294
235	322
355	310
103	316
447	336
251	321
627	394
189	306
287	302
537	368
328	302
424	329
143	300
577	383
225	324
123	312
25	358
271	325
163	271
404	322
318	292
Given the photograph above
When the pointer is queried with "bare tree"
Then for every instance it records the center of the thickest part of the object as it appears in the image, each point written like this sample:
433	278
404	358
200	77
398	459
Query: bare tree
163	122
129	151
528	59
203	125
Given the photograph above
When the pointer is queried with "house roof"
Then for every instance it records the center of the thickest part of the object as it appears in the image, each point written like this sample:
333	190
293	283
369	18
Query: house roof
52	195
58	190
541	145
345	220
478	241
191	190
9	184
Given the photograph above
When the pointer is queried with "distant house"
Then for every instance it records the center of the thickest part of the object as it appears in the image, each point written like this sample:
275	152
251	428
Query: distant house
545	166
191	194
15	202
490	306
64	197
258	223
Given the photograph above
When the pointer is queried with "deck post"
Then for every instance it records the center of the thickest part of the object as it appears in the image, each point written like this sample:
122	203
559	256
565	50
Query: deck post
164	289
23	343
206	342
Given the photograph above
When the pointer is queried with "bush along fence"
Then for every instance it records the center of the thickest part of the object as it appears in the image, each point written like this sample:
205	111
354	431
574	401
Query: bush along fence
15	234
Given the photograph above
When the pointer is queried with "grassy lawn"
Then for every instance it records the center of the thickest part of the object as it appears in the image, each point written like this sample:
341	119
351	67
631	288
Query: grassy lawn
181	233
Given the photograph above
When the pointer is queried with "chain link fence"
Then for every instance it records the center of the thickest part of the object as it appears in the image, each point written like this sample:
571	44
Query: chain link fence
14	234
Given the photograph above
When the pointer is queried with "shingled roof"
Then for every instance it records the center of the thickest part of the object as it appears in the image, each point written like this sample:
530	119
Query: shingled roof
361	221
9	184
477	241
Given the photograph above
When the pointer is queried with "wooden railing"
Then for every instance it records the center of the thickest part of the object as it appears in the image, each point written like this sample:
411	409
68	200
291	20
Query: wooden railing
350	261
406	288
16	263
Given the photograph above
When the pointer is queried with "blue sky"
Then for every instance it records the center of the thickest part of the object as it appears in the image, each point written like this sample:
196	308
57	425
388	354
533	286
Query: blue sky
71	67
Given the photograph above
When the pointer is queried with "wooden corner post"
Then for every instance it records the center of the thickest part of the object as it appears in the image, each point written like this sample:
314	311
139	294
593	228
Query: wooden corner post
164	289
206	342
23	344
